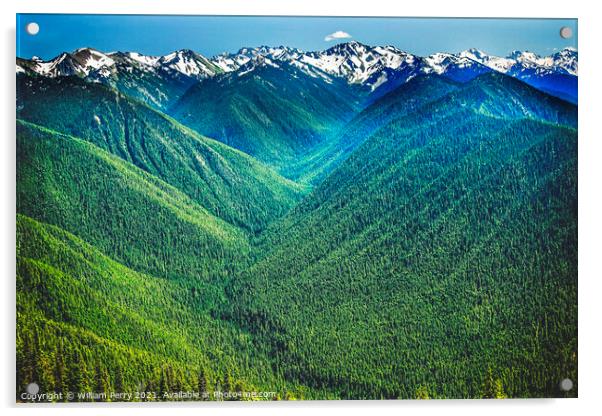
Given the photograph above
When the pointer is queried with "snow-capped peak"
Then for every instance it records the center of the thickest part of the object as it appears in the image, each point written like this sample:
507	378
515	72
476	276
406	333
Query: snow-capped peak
438	62
566	59
358	63
255	62
91	59
347	48
188	62
524	56
474	54
494	62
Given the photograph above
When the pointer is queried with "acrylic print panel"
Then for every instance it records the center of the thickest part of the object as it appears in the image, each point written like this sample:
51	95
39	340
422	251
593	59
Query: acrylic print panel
279	208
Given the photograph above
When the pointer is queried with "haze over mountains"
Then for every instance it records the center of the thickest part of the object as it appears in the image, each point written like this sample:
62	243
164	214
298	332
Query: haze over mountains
358	222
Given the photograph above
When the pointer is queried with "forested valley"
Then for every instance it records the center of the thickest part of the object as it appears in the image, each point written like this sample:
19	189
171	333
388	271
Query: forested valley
271	232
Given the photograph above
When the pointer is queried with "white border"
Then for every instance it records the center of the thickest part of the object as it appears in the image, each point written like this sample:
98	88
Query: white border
590	175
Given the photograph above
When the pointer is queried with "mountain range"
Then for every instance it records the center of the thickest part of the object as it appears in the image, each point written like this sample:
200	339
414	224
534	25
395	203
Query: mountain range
376	69
354	223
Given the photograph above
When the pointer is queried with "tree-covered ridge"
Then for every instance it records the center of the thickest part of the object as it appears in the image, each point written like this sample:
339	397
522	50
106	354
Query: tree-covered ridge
440	249
490	94
497	95
127	213
228	183
87	323
433	256
273	114
415	94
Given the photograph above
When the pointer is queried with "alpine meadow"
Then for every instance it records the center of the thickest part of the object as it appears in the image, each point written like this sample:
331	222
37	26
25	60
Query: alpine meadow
357	222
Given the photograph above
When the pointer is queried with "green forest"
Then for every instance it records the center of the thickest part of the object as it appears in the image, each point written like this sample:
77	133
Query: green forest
272	236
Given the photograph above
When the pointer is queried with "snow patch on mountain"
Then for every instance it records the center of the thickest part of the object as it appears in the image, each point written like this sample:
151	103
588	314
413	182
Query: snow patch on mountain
144	59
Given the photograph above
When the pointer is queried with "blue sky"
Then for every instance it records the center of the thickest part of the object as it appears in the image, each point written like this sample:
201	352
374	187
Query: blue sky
211	35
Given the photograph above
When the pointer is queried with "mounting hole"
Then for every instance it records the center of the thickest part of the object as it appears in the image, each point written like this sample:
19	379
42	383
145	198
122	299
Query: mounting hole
32	388
566	32
32	28
566	384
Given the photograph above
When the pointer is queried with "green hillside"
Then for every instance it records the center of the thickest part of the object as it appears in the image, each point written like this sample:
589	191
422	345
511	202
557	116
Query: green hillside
409	97
87	323
128	214
491	94
426	248
501	96
440	256
228	183
273	114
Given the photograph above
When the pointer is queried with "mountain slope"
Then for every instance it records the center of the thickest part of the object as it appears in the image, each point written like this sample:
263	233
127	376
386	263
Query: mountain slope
139	79
490	93
274	112
442	250
397	103
555	74
107	202
86	323
229	184
503	96
157	81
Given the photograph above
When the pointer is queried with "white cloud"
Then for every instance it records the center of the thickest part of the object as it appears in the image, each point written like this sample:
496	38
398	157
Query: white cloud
339	34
